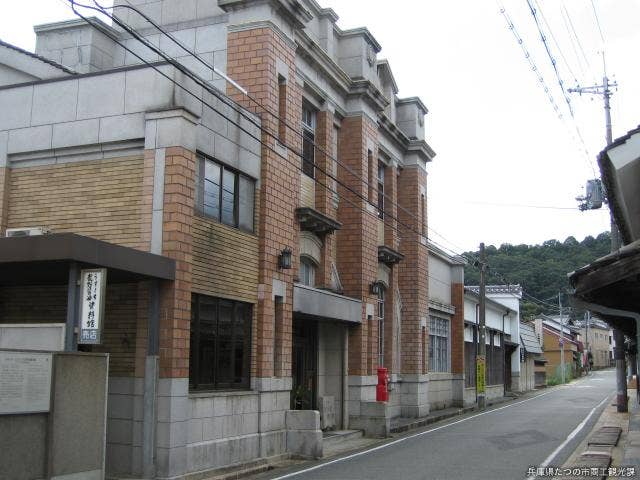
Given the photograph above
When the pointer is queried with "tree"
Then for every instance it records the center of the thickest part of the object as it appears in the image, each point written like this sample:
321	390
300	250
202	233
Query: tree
540	269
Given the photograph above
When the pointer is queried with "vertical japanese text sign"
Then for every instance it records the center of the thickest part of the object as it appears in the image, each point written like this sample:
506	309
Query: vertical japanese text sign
480	373
92	297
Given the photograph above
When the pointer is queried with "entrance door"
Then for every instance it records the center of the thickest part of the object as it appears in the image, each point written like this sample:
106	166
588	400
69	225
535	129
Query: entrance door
507	370
305	365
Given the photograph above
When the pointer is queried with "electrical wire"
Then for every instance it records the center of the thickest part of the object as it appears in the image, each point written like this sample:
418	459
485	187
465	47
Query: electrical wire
264	130
276	115
595	14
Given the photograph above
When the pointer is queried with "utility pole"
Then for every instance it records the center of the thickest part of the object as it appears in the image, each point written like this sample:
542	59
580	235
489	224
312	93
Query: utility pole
616	243
561	337
482	348
605	91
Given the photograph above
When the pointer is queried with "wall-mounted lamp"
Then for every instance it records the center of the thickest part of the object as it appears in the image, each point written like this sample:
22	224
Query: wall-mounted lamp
377	287
284	259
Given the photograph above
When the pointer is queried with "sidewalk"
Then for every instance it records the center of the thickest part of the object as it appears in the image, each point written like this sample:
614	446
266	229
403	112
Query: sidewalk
602	448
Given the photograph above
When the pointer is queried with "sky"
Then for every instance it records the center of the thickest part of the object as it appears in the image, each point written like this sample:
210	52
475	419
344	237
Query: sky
507	169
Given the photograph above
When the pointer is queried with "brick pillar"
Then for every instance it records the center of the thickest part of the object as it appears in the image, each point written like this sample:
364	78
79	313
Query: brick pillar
175	306
357	249
5	177
413	283
457	328
254	58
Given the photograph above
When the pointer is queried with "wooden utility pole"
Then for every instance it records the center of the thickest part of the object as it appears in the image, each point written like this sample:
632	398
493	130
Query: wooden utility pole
482	348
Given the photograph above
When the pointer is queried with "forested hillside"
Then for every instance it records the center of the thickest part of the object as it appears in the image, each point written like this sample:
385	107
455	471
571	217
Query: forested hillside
540	269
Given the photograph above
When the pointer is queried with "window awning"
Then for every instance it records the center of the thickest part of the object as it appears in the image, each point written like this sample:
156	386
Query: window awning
44	259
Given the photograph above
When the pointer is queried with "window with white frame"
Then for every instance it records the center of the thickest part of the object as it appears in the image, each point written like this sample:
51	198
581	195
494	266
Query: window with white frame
438	344
224	194
307	272
308	139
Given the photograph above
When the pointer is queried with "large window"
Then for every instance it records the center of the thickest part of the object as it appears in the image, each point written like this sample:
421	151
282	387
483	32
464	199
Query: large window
220	343
308	139
438	344
224	194
307	272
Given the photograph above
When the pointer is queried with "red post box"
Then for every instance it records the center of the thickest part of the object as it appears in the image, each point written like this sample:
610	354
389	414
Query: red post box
382	390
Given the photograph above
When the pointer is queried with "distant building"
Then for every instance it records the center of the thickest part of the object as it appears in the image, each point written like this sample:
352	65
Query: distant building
598	342
532	362
558	339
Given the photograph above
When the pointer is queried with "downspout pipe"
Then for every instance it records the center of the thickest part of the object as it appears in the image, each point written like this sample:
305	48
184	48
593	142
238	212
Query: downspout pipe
504	349
621	374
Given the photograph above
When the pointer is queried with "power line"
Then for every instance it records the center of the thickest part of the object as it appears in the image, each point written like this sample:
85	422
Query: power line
553	37
295	129
595	14
203	84
586	60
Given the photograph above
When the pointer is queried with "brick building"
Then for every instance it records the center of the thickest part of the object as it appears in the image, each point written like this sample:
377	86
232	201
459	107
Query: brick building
278	243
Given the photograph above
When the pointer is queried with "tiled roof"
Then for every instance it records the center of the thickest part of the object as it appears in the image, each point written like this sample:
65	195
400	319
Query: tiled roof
528	339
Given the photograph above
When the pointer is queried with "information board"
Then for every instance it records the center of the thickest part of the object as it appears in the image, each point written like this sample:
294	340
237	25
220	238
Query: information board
25	382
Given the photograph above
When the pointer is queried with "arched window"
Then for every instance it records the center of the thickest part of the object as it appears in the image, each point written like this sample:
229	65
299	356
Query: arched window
307	271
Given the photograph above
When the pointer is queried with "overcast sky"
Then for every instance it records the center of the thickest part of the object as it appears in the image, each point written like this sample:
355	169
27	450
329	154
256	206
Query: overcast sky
499	143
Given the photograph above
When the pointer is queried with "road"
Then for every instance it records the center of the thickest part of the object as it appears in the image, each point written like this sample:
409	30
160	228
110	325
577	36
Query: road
501	443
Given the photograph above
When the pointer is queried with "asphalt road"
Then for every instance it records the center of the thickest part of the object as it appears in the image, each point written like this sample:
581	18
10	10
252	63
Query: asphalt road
501	443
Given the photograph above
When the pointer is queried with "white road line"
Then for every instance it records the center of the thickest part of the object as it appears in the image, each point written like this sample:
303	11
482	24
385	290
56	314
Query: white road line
403	439
580	426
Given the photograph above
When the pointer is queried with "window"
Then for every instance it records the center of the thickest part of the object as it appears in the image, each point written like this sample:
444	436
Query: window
224	194
307	272
220	344
381	190
438	344
282	109
308	139
381	296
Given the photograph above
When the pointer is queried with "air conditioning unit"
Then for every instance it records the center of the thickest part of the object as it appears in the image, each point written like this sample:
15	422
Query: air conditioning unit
26	231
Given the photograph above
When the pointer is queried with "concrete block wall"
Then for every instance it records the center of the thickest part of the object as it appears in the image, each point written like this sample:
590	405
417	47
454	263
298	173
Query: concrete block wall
442	390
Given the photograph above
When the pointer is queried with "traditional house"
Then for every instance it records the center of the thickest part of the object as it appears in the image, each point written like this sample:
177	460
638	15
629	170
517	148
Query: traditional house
532	361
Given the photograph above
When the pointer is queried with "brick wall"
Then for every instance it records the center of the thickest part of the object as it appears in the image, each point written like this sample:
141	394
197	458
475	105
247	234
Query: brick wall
251	60
413	271
225	261
101	199
357	249
457	328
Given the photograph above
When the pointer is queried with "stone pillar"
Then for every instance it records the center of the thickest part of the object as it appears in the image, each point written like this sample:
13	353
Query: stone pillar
413	282
170	144
5	177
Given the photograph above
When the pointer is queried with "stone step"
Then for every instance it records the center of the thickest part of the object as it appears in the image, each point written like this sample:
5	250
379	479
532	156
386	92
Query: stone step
607	435
335	437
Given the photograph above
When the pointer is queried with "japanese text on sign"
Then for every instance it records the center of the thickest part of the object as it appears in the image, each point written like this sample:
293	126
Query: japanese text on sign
92	305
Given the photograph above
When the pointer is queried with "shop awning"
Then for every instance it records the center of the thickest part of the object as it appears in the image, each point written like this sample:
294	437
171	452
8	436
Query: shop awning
43	259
